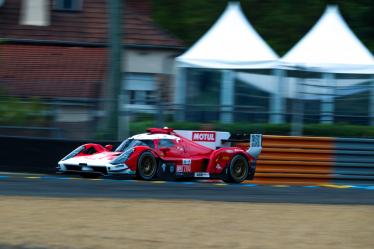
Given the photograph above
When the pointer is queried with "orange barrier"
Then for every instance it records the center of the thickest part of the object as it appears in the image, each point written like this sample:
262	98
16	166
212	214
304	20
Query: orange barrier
270	141
294	160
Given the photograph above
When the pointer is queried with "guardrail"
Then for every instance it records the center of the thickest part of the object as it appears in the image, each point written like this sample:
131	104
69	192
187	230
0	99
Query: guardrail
314	160
353	160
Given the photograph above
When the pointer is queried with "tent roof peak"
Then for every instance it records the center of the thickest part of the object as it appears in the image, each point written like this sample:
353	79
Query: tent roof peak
332	8
231	43
330	46
233	4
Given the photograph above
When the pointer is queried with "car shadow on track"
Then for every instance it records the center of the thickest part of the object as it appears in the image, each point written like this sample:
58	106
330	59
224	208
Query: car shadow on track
132	177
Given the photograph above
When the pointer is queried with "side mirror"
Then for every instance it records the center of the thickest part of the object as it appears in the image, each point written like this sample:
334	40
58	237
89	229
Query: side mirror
109	147
165	150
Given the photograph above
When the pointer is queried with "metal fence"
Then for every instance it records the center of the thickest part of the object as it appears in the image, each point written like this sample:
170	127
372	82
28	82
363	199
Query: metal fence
314	160
308	100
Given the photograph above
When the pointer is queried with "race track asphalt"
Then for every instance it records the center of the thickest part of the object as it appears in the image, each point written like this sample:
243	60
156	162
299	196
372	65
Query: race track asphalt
70	186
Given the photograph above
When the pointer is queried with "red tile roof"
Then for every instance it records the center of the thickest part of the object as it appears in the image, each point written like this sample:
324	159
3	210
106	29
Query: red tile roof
52	71
88	25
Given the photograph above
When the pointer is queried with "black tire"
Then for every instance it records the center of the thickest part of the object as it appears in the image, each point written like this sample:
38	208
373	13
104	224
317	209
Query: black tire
147	166
238	169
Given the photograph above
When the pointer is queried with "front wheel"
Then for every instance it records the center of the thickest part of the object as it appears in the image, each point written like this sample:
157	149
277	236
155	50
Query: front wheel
238	169
147	166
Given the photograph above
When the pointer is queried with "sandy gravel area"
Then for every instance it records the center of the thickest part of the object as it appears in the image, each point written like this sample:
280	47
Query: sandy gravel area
106	223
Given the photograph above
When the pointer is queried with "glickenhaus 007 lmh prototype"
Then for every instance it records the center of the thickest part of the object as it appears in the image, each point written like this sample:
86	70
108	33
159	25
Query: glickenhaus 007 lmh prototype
164	152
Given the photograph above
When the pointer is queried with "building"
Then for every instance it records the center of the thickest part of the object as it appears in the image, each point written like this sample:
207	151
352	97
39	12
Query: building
57	51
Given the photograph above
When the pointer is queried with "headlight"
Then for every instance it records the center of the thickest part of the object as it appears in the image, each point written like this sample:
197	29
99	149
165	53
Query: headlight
73	153
123	157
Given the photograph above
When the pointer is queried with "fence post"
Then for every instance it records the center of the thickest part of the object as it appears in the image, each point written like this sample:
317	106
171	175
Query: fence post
371	107
277	103
298	109
180	93
327	102
116	53
227	96
124	115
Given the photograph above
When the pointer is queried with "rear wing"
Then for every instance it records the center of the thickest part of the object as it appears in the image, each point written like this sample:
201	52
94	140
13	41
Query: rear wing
210	139
255	145
220	139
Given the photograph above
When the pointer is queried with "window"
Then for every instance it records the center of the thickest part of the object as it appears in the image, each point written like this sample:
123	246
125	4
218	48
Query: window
130	143
35	12
149	143
141	88
68	5
165	143
141	97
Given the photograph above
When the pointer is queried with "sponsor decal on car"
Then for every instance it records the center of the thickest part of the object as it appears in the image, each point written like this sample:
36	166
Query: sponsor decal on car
186	161
202	174
204	136
171	168
163	166
183	168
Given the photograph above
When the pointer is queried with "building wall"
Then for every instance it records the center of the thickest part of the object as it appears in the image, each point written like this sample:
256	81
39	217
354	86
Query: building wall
157	68
149	61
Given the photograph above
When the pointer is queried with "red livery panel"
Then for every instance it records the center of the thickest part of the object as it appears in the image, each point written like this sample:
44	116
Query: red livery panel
164	153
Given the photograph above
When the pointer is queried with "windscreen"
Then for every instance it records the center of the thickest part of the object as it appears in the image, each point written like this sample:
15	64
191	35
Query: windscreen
129	143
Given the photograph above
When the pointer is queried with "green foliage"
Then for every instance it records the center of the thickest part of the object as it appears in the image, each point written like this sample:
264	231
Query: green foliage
17	112
339	130
334	130
280	23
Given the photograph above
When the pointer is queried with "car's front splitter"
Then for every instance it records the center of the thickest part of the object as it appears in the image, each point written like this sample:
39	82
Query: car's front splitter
84	168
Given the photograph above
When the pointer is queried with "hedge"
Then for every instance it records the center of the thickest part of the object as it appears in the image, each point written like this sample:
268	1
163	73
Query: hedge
333	130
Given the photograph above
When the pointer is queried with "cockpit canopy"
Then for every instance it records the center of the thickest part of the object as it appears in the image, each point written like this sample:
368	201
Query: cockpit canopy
131	142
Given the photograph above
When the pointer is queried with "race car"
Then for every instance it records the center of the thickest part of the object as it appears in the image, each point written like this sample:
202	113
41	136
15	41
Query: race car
168	153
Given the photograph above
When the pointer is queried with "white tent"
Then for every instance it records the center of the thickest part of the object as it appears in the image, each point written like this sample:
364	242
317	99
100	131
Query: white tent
231	43
330	46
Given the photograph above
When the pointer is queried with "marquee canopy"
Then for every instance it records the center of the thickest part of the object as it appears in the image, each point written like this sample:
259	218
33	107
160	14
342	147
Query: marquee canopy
231	43
330	46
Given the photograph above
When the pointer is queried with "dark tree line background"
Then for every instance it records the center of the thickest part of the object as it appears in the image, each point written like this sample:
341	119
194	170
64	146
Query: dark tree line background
280	22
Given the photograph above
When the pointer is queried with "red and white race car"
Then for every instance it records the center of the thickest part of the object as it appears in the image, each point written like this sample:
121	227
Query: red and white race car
165	153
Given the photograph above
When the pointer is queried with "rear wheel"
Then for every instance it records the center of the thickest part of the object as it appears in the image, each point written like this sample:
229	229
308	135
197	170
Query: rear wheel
147	166
238	169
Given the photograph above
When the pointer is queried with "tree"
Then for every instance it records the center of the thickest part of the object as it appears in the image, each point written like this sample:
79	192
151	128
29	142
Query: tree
280	23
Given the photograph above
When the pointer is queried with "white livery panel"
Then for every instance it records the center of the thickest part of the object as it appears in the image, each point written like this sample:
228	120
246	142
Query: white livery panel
210	139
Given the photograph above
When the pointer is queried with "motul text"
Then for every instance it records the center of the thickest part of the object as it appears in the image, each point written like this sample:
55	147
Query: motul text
204	136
